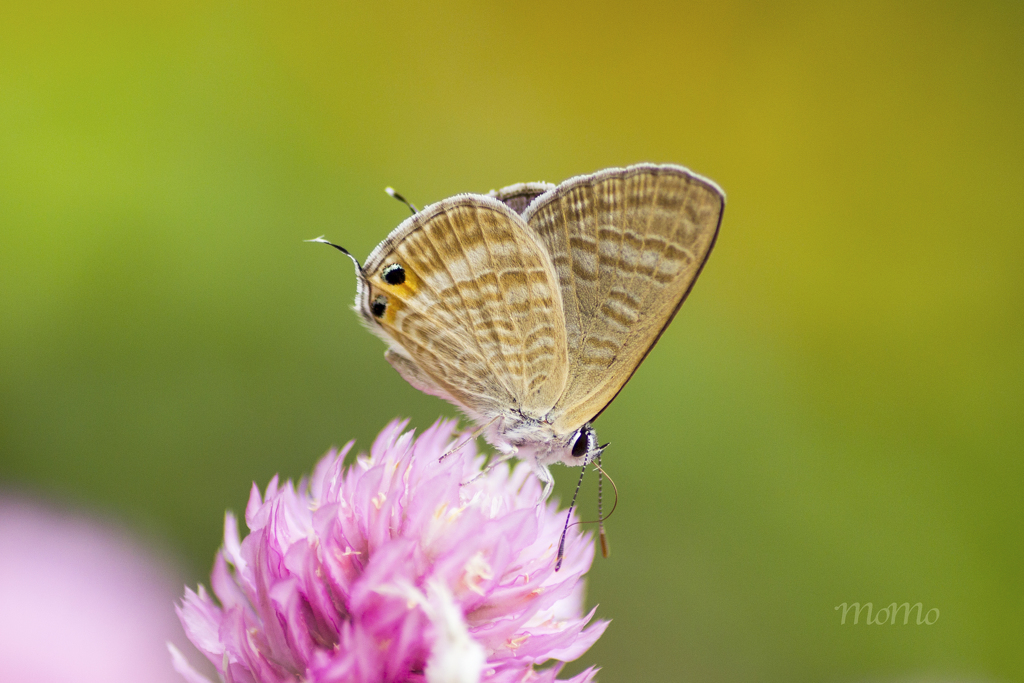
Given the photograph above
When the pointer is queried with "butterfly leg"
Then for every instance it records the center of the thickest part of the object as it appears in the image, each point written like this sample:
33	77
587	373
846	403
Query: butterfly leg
544	474
490	466
471	437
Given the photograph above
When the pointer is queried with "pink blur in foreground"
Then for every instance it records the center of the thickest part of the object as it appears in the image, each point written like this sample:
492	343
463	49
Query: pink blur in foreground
80	602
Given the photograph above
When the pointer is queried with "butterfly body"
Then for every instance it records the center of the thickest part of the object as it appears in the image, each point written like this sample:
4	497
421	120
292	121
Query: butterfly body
531	307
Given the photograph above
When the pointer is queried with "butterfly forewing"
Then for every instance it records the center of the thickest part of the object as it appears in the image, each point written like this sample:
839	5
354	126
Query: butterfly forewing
626	245
479	311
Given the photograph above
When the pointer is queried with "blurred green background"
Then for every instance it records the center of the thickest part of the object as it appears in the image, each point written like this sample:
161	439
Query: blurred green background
836	415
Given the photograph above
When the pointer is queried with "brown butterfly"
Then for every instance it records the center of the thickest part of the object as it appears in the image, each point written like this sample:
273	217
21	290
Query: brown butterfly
531	307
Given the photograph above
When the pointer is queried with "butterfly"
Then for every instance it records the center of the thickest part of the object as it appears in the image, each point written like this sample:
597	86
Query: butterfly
529	308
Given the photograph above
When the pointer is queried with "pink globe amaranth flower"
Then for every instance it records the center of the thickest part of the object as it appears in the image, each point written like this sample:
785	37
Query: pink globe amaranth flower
399	568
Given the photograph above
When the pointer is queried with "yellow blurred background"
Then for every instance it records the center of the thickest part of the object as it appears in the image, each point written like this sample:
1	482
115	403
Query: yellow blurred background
836	414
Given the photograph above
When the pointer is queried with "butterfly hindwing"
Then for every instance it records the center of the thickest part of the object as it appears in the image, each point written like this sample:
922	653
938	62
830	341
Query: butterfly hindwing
519	196
469	296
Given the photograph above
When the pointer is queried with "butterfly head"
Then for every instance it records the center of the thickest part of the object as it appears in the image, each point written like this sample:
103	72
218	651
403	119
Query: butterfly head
582	447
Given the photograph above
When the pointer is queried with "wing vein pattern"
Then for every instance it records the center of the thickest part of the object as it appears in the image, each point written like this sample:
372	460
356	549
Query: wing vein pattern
626	245
477	318
493	354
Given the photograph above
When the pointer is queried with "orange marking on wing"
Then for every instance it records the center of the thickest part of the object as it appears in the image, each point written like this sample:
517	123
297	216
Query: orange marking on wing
407	289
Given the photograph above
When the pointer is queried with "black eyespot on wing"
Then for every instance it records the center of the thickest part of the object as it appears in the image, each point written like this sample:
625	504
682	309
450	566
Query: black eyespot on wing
394	274
379	305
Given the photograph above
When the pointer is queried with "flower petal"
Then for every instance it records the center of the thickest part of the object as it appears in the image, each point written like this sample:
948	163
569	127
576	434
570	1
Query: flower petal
398	568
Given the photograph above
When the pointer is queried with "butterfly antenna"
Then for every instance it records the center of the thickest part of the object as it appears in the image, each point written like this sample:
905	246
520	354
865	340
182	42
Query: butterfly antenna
391	191
600	515
568	515
597	466
343	250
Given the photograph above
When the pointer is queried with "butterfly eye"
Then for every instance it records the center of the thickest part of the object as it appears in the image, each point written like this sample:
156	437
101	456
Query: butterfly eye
394	274
581	446
379	305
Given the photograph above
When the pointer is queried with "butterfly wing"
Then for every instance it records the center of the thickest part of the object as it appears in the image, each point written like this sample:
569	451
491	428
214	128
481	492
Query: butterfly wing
519	196
627	246
468	300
